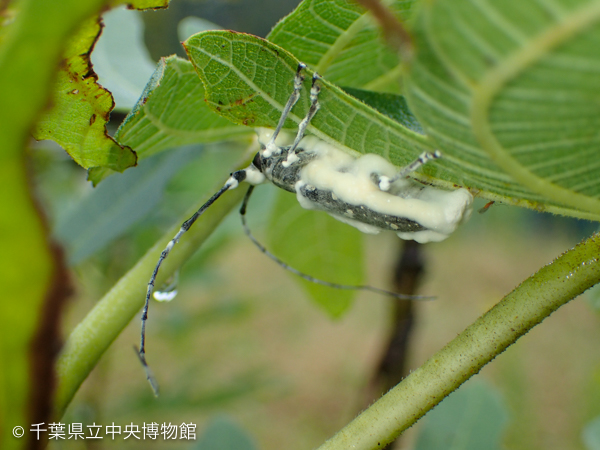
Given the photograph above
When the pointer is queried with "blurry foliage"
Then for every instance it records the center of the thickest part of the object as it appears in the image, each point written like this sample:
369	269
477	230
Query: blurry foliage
471	418
107	230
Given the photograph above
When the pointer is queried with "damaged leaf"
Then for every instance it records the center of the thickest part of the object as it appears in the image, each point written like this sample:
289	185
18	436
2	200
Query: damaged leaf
81	109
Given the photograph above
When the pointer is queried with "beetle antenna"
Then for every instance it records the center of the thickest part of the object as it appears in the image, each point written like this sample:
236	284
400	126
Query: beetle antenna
231	183
310	278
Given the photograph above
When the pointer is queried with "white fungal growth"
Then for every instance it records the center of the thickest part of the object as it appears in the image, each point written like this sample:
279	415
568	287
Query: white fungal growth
232	183
270	148
254	176
350	179
385	183
291	159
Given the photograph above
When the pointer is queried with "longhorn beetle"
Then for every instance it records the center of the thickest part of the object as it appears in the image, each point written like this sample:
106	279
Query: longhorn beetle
366	192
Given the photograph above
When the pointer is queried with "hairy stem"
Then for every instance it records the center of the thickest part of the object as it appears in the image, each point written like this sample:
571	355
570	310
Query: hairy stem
531	302
90	339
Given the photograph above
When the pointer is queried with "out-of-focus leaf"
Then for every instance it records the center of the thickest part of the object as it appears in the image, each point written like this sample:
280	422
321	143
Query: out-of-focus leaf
26	267
471	418
121	59
31	50
81	108
7	18
172	112
510	90
591	435
118	204
318	245
224	434
592	298
340	40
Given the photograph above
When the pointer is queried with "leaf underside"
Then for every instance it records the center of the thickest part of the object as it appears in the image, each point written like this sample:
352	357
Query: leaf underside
511	91
171	112
248	80
318	245
339	40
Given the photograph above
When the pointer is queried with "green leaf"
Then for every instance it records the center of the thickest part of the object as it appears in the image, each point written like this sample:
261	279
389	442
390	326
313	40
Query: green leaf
81	108
30	51
26	268
591	435
510	91
224	434
342	41
144	4
471	418
172	112
392	105
318	245
593	298
248	80
9	11
240	72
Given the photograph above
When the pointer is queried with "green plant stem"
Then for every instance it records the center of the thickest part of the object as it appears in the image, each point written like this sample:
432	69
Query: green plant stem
531	302
90	339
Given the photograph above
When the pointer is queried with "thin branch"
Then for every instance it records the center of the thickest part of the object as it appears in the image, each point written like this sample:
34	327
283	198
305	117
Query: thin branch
394	32
531	302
